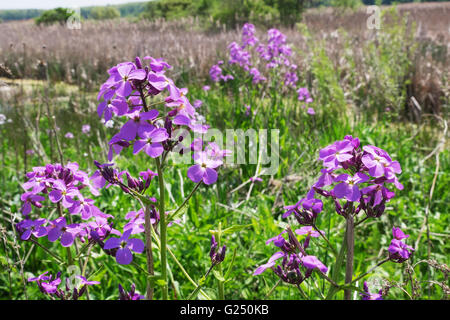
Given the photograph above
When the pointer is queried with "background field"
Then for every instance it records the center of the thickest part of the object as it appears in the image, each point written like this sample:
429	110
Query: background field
387	87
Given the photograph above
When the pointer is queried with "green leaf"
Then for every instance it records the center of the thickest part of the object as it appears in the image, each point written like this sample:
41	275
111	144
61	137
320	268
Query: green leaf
218	276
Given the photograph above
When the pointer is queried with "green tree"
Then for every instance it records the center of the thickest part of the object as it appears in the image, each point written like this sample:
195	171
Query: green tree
58	15
102	13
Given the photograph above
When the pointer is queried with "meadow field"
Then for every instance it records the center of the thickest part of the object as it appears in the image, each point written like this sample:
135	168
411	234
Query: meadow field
333	96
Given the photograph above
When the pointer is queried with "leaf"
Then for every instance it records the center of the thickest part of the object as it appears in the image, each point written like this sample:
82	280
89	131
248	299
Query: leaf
218	276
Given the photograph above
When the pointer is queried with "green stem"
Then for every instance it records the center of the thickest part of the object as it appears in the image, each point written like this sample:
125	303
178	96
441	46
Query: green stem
195	292
163	231
170	217
337	267
371	269
148	251
350	235
48	251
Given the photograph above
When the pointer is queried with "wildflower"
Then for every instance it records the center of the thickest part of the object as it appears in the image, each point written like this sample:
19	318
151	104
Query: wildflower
137	123
29	199
347	188
30	227
150	141
59	229
69	135
125	245
398	250
86	128
204	168
371	296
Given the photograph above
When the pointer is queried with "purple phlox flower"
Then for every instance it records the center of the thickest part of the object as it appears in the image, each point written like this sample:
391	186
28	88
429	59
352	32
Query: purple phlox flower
138	122
125	245
308	231
41	277
399	234
160	82
311	111
204	168
59	229
30	199
270	263
150	142
116	144
127	72
291	78
337	153
61	192
69	135
102	227
132	295
256	76
214	151
157	65
248	35
82	206
326	179
85	282
107	108
50	286
206	88
303	95
239	56
348	186
311	262
399	251
37	183
248	109
371	296
379	163
292	208
32	227
197	103
85	128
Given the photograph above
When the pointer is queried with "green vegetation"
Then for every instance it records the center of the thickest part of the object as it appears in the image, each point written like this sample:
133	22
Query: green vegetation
350	97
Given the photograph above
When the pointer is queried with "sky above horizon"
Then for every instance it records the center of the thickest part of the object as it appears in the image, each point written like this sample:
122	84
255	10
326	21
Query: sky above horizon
50	4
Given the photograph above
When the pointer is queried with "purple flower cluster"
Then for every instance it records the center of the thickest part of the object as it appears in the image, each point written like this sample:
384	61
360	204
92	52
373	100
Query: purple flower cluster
146	130
216	73
49	286
296	266
62	185
398	250
251	55
354	174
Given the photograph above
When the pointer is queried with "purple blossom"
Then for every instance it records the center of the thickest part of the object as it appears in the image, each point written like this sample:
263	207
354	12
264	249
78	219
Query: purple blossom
150	142
204	168
371	296
125	245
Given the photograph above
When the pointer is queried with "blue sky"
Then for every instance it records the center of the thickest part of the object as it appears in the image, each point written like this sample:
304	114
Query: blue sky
49	4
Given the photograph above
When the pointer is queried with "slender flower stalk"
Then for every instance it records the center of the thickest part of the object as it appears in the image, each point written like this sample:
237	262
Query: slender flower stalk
162	230
148	250
350	234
